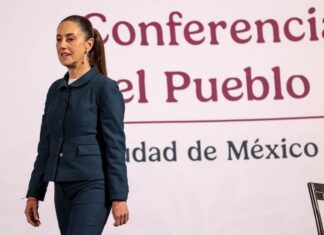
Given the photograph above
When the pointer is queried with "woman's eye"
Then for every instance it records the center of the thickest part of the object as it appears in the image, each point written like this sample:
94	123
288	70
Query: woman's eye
58	39
70	39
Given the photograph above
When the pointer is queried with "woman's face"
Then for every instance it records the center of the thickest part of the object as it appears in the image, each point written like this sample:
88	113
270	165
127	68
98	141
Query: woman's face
71	45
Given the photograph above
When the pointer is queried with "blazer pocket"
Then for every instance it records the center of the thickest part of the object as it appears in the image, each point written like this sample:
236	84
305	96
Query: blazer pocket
89	149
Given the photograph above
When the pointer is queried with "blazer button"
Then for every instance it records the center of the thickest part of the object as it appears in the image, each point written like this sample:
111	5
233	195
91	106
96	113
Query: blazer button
61	154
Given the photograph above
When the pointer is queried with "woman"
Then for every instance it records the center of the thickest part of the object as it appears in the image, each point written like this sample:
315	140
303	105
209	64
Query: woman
82	140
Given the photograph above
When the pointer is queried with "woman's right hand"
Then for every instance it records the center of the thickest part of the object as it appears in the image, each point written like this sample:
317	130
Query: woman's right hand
31	211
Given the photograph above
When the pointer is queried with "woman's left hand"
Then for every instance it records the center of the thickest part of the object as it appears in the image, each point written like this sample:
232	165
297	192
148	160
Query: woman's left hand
120	212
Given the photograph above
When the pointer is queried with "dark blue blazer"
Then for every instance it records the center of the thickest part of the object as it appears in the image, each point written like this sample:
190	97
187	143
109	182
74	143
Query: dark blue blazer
82	135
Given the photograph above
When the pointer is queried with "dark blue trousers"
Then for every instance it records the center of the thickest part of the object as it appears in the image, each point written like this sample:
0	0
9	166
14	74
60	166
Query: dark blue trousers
81	207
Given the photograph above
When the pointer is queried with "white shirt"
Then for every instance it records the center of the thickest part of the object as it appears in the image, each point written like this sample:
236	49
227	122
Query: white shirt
71	80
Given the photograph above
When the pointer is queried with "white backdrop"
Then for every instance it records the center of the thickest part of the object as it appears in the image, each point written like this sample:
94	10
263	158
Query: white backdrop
250	192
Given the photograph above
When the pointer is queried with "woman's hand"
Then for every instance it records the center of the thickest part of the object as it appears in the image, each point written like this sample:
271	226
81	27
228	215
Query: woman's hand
31	211
120	212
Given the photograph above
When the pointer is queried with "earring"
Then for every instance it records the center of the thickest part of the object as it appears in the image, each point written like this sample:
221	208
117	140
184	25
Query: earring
83	56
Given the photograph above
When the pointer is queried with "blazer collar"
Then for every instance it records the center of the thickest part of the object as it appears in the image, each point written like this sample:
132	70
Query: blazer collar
80	81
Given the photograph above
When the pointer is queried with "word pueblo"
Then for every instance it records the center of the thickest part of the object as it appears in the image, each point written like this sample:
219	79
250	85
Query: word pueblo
249	87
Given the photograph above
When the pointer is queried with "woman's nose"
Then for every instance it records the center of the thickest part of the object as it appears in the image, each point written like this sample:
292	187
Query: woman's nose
61	44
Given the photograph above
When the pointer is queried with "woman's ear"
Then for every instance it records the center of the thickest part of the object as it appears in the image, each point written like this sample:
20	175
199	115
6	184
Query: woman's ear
89	44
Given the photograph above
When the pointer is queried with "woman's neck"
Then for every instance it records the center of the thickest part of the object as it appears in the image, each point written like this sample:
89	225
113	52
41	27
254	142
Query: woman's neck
77	72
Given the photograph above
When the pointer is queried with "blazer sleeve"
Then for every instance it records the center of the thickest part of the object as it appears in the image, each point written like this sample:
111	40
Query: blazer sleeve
37	188
112	110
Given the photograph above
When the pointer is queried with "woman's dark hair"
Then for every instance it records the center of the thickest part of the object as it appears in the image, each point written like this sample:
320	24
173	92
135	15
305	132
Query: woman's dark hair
97	52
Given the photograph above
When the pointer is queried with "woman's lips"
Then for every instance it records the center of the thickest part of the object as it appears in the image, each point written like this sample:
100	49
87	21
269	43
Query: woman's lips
64	55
